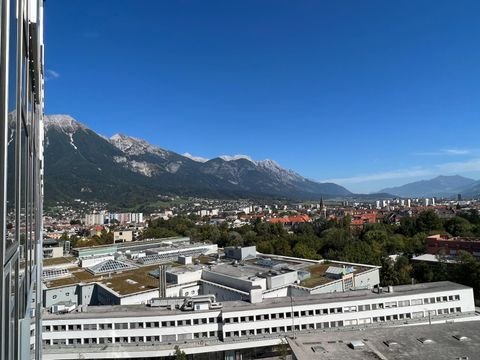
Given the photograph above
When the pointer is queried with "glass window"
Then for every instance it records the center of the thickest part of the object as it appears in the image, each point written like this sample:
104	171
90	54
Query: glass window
12	131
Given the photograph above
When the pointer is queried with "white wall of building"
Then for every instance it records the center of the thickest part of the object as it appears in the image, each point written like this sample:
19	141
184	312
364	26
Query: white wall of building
250	320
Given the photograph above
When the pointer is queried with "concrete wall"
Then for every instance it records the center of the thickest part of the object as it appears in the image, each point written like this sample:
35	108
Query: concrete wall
123	236
280	292
61	294
282	279
139	298
240	253
229	281
53	252
184	277
222	293
87	295
189	291
336	286
367	279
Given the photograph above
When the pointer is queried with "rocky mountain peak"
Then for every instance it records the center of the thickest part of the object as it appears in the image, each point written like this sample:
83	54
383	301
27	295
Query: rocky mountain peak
65	123
195	158
237	157
135	146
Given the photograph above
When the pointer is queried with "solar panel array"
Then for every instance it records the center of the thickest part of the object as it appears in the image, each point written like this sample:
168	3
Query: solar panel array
171	256
109	266
50	274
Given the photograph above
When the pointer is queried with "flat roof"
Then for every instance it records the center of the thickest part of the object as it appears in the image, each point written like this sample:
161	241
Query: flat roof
124	283
433	258
392	343
143	310
239	271
250	268
400	290
59	261
120	311
130	244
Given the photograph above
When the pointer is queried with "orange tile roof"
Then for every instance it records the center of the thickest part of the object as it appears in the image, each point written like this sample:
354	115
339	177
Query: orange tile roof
291	219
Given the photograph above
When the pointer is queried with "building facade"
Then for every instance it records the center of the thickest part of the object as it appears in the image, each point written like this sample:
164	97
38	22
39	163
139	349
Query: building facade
450	246
21	176
225	330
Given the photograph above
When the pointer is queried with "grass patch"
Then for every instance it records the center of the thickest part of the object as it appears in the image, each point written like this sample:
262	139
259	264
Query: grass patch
58	261
317	276
117	281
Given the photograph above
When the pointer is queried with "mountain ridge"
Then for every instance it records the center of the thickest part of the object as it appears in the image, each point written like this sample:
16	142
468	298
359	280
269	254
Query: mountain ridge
83	164
442	186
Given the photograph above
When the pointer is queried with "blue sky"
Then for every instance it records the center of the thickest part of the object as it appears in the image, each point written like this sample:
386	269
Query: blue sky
364	93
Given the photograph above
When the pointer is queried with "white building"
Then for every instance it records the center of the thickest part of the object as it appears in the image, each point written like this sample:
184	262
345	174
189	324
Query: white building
122	236
227	329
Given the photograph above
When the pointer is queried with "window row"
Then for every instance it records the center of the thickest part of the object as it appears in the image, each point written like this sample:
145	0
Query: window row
345	309
284	329
433	300
131	339
131	325
286	315
416	314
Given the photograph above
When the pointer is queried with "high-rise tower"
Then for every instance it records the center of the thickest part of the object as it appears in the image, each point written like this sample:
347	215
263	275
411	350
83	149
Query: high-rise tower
21	177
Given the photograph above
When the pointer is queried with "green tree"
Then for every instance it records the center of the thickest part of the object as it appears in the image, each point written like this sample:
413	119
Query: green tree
388	275
282	247
283	350
403	270
458	226
408	226
428	221
179	353
265	247
234	239
302	250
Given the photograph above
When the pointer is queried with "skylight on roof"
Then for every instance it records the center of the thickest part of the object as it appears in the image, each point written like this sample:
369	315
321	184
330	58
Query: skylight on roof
461	337
390	343
424	340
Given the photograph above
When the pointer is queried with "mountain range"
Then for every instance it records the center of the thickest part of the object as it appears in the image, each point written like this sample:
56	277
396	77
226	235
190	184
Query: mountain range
440	186
123	170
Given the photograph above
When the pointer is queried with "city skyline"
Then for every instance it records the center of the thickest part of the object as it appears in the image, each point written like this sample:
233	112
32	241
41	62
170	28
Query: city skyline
279	81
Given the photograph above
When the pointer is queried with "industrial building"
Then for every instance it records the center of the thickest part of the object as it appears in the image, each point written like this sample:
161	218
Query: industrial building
230	329
231	303
132	276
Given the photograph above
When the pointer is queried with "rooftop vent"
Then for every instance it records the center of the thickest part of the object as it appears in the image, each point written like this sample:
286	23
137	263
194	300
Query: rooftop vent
391	343
426	340
318	349
461	337
356	344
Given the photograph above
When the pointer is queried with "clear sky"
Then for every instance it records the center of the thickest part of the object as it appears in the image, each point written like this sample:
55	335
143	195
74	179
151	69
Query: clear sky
365	93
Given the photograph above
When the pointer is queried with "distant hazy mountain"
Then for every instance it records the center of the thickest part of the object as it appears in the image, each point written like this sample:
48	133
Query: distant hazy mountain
439	186
124	170
471	190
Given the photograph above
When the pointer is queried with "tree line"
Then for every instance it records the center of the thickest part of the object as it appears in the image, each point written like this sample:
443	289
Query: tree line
336	240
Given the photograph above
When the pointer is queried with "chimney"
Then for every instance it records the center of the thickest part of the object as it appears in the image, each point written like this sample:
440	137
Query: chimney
162	282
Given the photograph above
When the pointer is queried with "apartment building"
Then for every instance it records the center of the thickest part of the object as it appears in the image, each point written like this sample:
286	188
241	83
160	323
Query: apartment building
450	246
